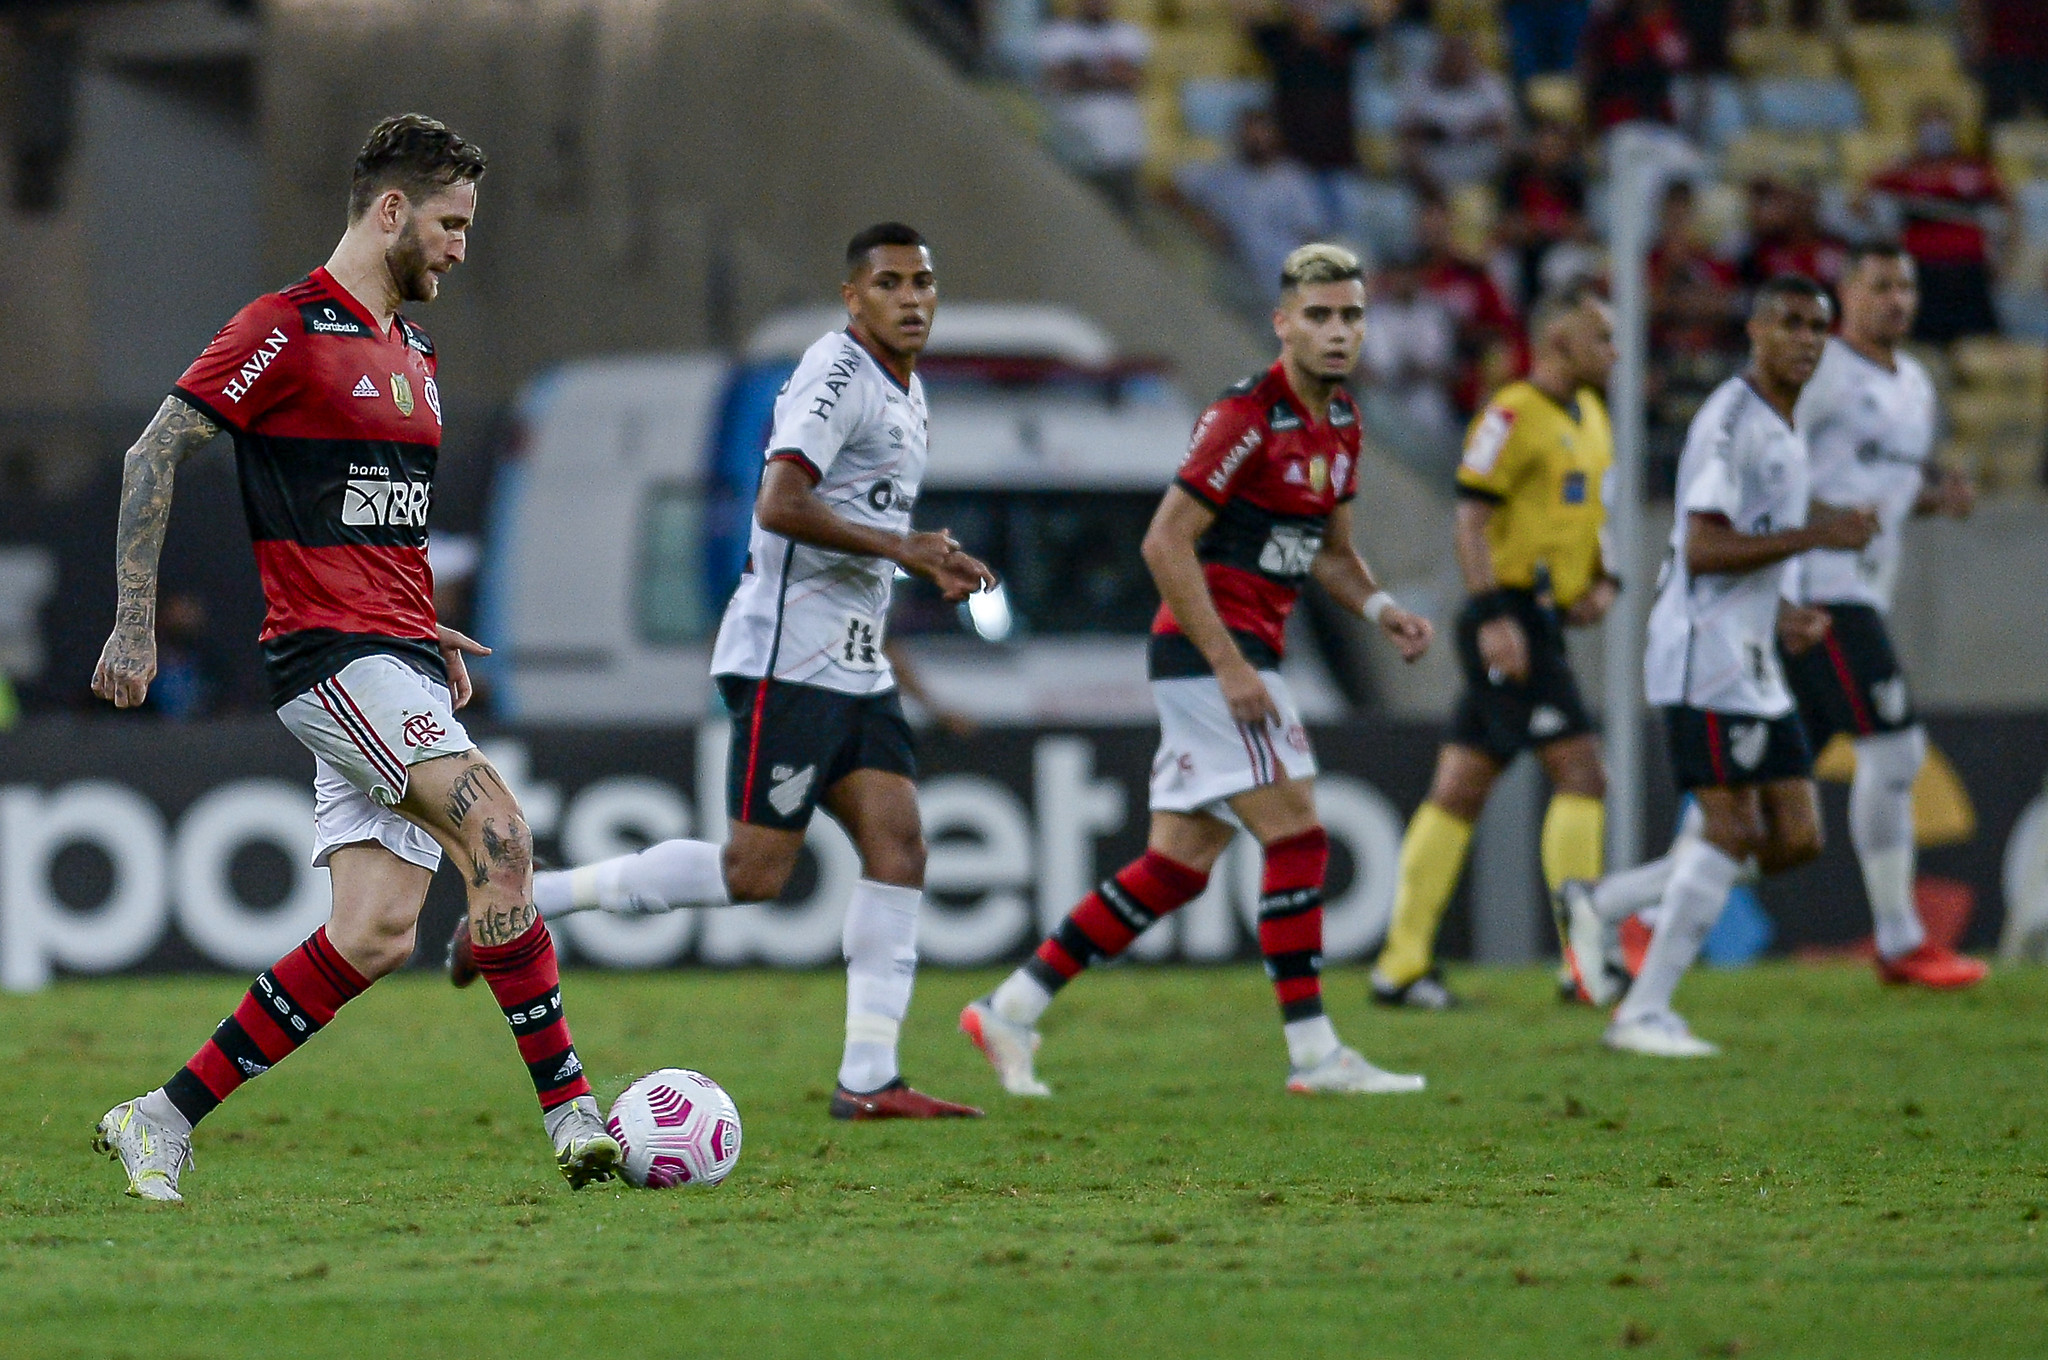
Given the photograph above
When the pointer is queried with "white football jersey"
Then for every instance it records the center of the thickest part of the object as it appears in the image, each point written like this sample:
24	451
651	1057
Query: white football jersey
1869	432
810	615
1713	639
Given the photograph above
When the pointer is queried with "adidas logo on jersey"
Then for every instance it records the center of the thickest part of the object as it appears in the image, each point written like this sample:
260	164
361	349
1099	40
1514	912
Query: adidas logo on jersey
366	388
787	787
251	1068
569	1068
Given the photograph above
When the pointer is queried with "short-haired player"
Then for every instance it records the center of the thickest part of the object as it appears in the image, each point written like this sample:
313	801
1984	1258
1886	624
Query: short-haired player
330	395
1734	737
1528	541
1262	504
1869	417
802	665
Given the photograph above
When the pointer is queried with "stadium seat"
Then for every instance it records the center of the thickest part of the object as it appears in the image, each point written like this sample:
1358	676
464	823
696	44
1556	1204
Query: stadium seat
1803	104
1715	105
1993	363
1894	49
2032	201
1782	52
1143	12
1559	98
2021	151
1866	152
1210	108
1376	106
1180	54
1803	157
1894	99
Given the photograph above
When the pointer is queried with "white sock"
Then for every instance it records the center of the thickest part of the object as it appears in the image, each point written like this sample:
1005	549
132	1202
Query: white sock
1309	1041
658	879
157	1107
880	944
1701	877
1021	999
1628	891
1881	829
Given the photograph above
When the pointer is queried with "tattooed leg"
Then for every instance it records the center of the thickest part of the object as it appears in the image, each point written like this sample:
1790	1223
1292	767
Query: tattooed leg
467	806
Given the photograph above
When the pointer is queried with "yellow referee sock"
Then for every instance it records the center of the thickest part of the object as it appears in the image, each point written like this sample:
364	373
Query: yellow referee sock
1432	856
1574	833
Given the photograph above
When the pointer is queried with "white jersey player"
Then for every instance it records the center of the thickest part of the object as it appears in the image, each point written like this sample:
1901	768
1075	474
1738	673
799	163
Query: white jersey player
1734	739
801	664
1869	419
810	615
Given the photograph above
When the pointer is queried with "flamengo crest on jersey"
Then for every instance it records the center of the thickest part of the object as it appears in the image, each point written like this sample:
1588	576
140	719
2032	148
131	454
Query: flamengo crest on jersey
809	615
1869	433
1713	639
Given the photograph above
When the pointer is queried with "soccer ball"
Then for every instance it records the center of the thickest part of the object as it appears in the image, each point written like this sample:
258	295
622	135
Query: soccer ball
675	1127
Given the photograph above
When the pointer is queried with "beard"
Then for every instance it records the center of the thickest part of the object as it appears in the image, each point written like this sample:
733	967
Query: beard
407	261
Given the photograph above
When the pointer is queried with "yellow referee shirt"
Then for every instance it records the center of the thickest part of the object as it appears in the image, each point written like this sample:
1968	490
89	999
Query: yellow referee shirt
1541	465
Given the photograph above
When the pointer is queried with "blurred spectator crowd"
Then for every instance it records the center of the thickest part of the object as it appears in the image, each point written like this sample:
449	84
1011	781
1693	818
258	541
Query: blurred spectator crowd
1458	144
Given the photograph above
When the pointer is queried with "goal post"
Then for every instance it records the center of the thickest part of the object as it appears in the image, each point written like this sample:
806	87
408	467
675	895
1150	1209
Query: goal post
1641	163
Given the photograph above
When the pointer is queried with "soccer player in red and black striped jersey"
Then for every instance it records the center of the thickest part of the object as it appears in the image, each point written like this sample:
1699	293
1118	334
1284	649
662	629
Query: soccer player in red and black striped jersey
1262	503
330	397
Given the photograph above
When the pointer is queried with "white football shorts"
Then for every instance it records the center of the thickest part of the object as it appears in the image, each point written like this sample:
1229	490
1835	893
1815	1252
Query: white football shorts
1206	756
366	727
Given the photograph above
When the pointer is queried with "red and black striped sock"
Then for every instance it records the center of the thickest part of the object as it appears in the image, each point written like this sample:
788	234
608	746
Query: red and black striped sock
287	1006
1116	913
1291	922
524	978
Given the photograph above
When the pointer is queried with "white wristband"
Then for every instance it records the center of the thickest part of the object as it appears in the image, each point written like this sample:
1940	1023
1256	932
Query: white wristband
1376	604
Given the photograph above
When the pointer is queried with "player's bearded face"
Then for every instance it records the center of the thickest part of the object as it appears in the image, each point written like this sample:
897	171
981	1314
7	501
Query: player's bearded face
407	260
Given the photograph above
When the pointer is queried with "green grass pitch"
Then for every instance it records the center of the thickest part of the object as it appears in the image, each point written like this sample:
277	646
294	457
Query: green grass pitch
1865	1173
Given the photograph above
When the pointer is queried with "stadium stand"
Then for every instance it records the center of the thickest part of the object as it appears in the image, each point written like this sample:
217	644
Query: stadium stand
1823	110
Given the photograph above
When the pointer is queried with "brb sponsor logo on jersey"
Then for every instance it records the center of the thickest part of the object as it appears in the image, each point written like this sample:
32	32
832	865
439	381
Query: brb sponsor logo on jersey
374	499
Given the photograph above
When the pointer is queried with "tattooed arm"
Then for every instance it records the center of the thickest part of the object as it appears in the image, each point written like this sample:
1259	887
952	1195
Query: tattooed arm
128	662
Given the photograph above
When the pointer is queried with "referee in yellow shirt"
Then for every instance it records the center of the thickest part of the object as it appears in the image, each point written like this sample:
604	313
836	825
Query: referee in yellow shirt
1528	542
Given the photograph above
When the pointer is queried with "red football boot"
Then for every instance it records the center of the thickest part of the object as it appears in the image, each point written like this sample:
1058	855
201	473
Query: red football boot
1933	965
462	969
897	1101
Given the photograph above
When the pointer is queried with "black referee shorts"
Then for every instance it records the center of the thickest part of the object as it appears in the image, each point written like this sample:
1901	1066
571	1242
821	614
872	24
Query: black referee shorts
790	743
1711	750
1850	680
1503	719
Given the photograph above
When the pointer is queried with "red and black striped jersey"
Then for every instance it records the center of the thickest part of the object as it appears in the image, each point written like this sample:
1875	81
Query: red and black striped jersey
337	427
1273	473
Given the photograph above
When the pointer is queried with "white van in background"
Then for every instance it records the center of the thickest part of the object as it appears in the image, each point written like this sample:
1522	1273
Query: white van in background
619	523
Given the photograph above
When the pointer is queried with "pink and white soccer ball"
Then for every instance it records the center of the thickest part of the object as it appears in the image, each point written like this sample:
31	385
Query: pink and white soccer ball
676	1127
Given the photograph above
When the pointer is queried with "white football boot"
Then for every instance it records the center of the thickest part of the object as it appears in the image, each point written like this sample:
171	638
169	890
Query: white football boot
584	1150
1346	1072
1592	946
1660	1035
151	1154
1007	1045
